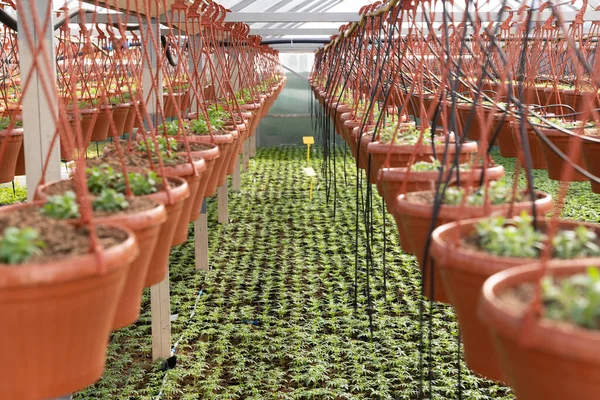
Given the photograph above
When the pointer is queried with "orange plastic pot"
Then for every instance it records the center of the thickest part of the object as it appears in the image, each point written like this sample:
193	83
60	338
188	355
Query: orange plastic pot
102	125
556	165
550	360
10	146
120	114
130	123
591	157
475	131
146	226
400	155
463	273
219	174
57	320
192	175
173	201
416	219
536	154
505	139
210	157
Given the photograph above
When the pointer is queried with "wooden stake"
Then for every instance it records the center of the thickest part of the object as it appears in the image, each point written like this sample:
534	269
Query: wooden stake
160	305
223	204
201	240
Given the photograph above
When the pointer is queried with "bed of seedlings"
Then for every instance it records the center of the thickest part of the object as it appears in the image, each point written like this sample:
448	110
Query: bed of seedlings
275	318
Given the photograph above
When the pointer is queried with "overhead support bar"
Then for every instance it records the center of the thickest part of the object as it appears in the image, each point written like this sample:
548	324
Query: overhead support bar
294	31
292	17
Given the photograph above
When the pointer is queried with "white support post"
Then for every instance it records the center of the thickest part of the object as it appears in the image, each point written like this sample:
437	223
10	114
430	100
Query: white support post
223	204
160	298
201	239
253	142
160	305
201	224
246	155
236	179
38	119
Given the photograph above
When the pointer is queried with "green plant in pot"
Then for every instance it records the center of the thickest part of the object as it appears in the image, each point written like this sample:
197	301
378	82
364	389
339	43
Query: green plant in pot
551	354
468	252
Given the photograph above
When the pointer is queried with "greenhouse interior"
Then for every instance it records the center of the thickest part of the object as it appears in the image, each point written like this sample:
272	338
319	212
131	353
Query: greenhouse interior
300	199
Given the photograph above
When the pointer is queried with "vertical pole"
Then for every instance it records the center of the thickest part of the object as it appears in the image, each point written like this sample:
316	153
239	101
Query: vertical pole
201	224
160	301
236	179
254	142
201	239
246	155
38	119
223	204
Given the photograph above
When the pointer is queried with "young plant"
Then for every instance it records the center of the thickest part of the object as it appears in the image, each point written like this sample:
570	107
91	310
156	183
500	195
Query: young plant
5	123
18	245
62	206
519	238
426	166
574	300
110	200
166	146
141	184
102	177
172	128
498	193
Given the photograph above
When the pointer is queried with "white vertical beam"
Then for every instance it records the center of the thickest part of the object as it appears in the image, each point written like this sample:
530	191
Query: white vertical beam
195	45
223	204
236	179
201	240
160	297
38	119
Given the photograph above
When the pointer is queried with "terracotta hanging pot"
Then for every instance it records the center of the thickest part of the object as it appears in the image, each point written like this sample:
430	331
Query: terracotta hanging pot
60	314
210	156
416	213
400	155
120	114
550	360
591	157
463	272
505	139
536	154
130	123
475	131
145	225
102	125
556	165
11	142
186	171
225	142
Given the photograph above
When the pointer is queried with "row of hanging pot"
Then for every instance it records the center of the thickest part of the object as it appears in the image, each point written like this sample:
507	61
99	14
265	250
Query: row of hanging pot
524	286
74	262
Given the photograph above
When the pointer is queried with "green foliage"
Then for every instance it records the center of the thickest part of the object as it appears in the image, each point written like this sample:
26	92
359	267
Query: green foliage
5	123
172	128
498	193
519	238
17	246
102	177
510	238
408	135
8	197
110	200
575	299
141	184
167	147
62	206
426	166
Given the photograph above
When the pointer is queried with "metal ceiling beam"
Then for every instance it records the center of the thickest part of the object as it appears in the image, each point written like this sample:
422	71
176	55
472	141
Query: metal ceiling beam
293	17
294	31
278	6
241	5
